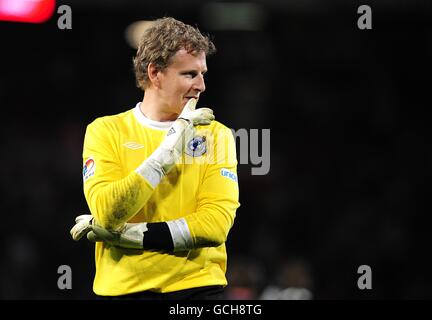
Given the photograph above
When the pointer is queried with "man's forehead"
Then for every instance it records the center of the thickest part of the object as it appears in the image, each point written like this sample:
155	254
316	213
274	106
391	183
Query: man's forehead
182	58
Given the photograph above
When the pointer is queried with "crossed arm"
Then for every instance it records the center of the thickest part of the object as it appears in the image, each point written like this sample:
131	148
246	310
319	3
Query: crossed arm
209	226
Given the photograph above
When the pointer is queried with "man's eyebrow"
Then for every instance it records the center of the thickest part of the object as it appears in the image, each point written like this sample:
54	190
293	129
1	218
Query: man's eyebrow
195	71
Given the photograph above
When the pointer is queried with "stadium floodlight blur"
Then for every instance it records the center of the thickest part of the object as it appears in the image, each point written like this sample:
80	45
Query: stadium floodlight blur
135	30
26	10
245	16
216	16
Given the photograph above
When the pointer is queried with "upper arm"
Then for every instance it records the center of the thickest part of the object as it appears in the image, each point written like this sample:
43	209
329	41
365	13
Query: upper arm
218	195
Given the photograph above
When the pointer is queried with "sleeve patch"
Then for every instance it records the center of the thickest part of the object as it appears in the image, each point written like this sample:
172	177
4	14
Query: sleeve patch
228	174
89	168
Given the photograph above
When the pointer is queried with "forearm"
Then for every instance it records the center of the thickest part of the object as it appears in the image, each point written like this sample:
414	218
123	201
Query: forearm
171	236
209	227
206	228
114	203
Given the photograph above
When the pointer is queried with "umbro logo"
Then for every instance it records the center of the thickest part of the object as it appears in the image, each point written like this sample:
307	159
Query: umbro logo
133	145
170	132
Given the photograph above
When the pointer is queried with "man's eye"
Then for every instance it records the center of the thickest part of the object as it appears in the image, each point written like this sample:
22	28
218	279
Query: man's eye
190	74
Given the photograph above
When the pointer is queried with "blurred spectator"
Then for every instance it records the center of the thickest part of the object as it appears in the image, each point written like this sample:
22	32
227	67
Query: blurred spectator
293	281
245	277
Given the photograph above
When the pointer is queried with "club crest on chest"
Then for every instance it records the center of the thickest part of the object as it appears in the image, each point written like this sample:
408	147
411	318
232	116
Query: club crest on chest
196	147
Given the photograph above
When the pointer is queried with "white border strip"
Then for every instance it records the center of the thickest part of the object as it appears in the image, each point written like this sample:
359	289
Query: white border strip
180	234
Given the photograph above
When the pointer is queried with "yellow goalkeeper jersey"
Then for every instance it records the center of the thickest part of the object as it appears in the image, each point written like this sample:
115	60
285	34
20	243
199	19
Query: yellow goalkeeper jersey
202	188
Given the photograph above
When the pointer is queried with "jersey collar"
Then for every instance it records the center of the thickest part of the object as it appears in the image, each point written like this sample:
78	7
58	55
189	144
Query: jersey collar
158	125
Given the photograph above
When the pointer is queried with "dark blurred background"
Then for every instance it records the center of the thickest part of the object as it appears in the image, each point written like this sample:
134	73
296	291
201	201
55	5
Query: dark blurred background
349	157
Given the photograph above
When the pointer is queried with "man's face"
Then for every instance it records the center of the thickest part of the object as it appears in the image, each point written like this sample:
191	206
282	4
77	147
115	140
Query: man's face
182	79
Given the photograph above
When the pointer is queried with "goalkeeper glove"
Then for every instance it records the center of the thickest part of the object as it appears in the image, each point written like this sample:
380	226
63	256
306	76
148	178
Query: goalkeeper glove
130	235
83	224
163	159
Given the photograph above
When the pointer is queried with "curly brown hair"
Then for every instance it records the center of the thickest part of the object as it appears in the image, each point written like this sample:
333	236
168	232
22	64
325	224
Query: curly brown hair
160	43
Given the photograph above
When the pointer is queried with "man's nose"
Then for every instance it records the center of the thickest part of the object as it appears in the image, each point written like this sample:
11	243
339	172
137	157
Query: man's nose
199	84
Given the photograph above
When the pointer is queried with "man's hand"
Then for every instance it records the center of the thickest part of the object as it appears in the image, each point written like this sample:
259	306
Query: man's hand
201	116
164	158
131	235
83	224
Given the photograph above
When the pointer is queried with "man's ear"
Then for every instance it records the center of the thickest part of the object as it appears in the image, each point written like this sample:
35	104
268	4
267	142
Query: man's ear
153	74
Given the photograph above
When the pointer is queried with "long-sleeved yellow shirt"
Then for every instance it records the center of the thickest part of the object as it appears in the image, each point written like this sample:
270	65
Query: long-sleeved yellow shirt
202	188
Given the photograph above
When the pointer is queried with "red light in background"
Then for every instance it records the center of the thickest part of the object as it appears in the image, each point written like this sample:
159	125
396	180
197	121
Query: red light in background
33	11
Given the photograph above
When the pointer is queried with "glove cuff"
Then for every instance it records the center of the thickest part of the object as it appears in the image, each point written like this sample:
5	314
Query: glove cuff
187	120
180	234
152	171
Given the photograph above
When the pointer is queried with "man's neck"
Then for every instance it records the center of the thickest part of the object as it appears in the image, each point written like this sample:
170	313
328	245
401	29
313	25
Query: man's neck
155	111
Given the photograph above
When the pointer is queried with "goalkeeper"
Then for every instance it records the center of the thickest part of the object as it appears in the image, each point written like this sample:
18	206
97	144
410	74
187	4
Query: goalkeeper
160	179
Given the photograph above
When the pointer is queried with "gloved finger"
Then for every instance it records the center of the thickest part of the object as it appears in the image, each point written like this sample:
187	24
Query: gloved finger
104	234
207	116
79	230
91	236
73	232
191	104
204	122
205	110
83	217
189	107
